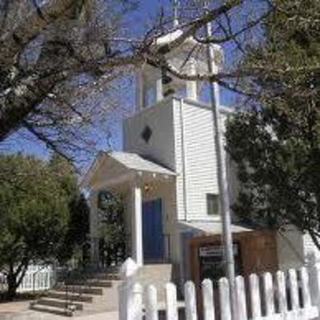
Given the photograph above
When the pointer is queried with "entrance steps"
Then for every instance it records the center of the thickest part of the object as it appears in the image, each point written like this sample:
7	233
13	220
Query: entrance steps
60	295
59	303
98	293
79	289
101	283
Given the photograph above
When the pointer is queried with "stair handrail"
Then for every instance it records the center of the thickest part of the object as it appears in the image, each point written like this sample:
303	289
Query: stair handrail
73	280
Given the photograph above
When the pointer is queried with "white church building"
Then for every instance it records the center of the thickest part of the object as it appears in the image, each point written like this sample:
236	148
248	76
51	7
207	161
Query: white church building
167	172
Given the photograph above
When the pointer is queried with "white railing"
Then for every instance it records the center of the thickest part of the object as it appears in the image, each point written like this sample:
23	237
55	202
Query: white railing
37	278
294	295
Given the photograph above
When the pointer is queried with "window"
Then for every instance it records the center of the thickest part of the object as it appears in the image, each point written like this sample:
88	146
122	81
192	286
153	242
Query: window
150	96
213	206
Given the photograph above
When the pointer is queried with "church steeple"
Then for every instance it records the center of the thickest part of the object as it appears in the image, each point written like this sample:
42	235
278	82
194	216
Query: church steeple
155	84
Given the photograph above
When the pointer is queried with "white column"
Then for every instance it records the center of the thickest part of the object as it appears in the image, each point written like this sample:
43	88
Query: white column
192	86
139	91
137	245
159	90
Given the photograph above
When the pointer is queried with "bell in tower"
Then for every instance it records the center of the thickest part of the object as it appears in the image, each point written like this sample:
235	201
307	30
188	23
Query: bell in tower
190	58
166	83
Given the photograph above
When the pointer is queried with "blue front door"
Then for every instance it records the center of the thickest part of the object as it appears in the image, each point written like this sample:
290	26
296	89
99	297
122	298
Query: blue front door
153	240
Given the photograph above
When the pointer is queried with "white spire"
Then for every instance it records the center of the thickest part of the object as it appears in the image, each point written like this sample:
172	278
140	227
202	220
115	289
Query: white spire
176	5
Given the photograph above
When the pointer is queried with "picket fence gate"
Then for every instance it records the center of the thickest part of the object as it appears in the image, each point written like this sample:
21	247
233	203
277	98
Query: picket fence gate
292	295
37	278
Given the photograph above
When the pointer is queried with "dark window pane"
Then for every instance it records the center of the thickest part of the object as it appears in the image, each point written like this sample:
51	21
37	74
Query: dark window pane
213	204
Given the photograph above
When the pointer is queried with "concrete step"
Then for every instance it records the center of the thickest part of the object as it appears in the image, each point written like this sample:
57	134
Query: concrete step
90	282
98	292
73	289
74	297
62	304
52	310
108	276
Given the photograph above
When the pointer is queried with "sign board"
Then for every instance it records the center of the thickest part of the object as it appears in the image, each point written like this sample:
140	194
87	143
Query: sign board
215	251
211	261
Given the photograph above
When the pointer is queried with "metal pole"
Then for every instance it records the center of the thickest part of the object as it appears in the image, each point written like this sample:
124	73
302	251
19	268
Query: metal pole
222	180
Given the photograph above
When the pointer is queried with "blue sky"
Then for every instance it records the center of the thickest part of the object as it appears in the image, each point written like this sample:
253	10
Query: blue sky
24	142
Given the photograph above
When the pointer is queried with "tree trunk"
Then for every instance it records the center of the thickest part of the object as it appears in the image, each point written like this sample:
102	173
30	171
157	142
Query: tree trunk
14	278
12	285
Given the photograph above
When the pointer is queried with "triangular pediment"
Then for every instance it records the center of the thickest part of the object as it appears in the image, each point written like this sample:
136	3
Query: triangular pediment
118	165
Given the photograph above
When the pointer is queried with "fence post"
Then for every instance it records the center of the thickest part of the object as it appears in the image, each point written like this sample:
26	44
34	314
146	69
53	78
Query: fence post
224	295
191	304
242	313
208	300
130	294
305	287
171	302
268	293
314	281
255	299
151	303
281	291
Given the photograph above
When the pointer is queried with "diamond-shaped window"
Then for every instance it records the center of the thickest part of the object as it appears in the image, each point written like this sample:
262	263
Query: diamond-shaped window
146	134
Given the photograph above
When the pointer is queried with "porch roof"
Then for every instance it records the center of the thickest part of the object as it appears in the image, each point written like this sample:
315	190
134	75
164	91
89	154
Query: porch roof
136	162
116	167
211	227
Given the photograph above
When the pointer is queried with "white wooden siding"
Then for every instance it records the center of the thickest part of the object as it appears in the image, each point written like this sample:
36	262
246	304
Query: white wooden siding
161	144
199	155
183	140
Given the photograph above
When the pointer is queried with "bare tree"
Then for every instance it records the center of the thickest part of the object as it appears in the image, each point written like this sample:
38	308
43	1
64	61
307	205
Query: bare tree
59	58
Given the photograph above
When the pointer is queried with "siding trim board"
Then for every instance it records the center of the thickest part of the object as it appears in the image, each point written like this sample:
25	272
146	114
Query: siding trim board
184	162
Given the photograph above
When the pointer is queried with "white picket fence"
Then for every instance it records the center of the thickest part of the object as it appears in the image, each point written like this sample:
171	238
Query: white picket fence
294	295
37	278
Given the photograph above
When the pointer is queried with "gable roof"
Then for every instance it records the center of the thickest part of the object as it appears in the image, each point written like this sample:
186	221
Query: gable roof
136	162
131	161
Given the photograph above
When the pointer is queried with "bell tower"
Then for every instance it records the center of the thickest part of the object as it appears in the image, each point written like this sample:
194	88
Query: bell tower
163	100
155	84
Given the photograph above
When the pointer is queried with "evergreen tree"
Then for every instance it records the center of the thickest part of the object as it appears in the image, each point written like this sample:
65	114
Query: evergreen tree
43	217
34	216
111	231
276	140
75	239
